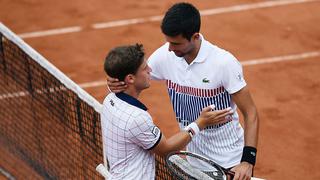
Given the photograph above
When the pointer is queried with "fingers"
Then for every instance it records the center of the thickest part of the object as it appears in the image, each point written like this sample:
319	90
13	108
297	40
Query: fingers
207	109
110	79
222	113
115	82
117	90
242	172
214	117
115	85
236	173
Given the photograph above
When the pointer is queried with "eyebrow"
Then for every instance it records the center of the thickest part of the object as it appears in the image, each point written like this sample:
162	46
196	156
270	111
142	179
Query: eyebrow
174	43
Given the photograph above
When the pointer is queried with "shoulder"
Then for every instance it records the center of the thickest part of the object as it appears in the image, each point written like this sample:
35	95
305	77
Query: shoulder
223	57
161	50
108	101
140	122
112	104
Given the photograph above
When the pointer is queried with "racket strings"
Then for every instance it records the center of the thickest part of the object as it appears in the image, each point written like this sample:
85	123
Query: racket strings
182	169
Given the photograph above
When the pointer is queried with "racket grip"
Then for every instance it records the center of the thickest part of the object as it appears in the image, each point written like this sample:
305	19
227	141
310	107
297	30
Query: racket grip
103	171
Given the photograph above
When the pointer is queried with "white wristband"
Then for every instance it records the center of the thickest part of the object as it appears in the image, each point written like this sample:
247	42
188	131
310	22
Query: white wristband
192	129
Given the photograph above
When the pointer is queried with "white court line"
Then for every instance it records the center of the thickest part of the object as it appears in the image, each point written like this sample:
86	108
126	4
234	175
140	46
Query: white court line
127	22
51	32
292	57
6	174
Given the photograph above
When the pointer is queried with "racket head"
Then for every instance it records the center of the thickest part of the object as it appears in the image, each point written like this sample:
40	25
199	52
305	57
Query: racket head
186	165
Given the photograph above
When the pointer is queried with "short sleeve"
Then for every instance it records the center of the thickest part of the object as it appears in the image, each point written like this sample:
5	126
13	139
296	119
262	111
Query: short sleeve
232	79
144	133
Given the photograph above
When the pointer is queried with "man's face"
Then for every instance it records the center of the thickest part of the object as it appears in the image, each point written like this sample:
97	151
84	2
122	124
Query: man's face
142	77
180	45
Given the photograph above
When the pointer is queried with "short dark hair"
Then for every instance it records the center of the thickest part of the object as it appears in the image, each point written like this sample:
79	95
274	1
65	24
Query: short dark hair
124	60
182	18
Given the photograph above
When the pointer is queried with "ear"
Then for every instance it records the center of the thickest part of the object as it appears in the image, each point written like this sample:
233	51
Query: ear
129	79
196	36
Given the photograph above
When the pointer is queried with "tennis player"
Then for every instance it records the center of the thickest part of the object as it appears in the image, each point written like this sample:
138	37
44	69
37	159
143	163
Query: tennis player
128	132
200	73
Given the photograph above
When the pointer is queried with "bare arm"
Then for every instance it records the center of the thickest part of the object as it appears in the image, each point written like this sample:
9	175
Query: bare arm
251	129
181	139
251	121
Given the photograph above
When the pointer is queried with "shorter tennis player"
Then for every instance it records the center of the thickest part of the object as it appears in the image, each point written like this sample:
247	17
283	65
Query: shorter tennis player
128	132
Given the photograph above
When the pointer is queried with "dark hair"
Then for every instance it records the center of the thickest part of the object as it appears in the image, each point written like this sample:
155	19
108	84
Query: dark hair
181	18
124	60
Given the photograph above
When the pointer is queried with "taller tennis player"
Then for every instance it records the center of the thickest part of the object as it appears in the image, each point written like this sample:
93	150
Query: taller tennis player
199	73
128	132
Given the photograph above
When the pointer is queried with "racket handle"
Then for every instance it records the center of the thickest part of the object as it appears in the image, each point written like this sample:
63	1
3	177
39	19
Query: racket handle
231	173
103	171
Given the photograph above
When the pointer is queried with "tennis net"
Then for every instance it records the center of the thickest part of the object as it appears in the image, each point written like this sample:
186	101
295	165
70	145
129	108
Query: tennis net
49	127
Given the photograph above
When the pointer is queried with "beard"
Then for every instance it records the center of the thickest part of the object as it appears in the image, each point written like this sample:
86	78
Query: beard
179	54
183	53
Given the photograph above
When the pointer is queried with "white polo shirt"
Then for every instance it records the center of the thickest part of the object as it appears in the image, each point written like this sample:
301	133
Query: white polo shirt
128	134
209	79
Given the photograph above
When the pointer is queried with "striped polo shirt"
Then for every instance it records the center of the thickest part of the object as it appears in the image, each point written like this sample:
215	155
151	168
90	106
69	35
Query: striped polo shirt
211	78
128	133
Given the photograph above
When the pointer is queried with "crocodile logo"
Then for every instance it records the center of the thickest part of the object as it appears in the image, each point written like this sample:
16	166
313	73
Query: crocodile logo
205	80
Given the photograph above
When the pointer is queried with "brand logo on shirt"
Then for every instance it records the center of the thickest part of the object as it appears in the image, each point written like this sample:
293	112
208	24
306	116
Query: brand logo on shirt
111	102
155	131
205	80
240	77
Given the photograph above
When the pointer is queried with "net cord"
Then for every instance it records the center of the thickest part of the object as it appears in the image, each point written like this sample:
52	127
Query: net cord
51	68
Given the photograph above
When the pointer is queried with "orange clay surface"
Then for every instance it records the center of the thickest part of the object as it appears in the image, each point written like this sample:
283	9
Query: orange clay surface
287	93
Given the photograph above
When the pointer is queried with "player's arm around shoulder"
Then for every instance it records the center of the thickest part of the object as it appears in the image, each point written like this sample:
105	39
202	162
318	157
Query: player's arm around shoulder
247	107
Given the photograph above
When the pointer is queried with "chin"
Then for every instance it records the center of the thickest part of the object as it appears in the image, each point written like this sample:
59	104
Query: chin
179	55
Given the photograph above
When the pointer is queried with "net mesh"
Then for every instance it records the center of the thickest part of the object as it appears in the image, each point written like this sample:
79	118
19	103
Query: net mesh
48	130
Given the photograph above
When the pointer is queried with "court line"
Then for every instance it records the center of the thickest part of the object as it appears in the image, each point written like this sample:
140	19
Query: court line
6	174
127	22
292	57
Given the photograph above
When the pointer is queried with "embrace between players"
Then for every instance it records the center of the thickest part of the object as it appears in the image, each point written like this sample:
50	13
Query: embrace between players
211	75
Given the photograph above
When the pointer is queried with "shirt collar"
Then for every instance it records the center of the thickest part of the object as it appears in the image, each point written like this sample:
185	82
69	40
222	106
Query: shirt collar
131	100
203	52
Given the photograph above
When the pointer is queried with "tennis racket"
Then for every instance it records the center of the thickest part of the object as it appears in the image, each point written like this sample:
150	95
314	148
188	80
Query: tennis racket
179	164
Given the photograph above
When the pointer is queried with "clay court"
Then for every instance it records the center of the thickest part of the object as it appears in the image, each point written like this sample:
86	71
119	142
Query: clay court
278	43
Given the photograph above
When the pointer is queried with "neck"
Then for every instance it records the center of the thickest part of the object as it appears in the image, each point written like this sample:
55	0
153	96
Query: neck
132	92
193	53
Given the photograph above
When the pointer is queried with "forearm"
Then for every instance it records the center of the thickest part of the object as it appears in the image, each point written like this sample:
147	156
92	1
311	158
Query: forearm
251	120
175	143
251	125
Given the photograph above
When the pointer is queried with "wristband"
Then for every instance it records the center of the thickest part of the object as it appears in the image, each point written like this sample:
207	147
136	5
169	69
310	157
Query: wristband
191	133
192	129
249	155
